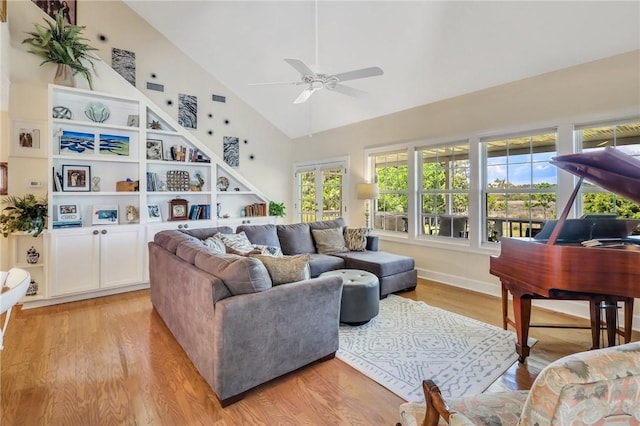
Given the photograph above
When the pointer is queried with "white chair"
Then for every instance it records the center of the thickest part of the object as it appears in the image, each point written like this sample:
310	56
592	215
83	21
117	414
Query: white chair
17	281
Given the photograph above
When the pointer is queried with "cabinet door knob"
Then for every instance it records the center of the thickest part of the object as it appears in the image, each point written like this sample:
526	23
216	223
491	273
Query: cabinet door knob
95	232
104	231
186	225
179	226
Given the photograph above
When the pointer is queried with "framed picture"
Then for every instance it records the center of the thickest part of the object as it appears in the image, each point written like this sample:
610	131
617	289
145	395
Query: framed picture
28	139
77	142
51	8
154	149
3	10
114	144
153	213
105	215
66	212
76	178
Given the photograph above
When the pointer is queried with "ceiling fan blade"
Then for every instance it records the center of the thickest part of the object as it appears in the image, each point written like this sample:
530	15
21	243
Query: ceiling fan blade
300	66
361	73
346	90
276	83
304	96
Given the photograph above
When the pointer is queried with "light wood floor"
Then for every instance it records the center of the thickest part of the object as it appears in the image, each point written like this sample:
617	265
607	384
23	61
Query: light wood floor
111	361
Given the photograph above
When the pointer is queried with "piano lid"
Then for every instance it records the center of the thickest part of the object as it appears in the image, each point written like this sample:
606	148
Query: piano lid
610	168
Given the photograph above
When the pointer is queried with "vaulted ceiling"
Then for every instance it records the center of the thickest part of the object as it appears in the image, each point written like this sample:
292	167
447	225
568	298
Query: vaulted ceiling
429	50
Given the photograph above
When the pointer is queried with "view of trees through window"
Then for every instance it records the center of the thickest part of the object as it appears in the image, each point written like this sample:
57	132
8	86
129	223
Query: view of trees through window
329	205
392	174
520	185
626	138
445	190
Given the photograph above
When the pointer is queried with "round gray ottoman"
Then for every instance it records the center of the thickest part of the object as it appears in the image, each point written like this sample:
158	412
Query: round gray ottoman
360	295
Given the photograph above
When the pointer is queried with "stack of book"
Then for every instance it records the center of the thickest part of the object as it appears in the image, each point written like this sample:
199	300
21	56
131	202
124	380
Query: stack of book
256	209
57	224
200	211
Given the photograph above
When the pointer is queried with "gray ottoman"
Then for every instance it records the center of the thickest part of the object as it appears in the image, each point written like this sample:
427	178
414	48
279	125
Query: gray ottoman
360	295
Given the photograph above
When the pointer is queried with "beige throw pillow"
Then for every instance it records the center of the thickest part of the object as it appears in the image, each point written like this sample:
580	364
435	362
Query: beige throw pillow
356	238
329	240
286	269
236	243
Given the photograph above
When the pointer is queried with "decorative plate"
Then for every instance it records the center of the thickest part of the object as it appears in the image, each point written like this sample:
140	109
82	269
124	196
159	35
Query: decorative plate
97	112
223	183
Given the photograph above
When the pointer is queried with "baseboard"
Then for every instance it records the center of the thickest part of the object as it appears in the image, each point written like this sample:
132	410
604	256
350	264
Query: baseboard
569	307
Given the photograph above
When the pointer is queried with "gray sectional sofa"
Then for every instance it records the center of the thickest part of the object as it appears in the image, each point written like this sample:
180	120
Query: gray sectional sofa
239	329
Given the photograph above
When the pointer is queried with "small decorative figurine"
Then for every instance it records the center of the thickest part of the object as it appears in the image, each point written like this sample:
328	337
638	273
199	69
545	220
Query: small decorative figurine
155	125
32	255
96	183
32	290
131	214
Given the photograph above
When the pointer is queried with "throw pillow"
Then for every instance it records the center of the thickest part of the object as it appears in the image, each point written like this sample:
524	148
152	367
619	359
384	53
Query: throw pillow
329	240
236	243
268	250
286	269
356	238
215	244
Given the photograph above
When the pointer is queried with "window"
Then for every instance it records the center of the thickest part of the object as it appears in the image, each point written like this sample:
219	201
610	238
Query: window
626	138
520	185
391	171
319	191
444	191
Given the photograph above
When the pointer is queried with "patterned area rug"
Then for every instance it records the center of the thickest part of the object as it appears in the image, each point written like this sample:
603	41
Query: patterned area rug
410	341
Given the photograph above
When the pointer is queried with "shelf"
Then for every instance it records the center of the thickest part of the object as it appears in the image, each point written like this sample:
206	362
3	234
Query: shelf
85	123
184	163
160	193
234	193
24	265
27	299
96	158
94	193
162	132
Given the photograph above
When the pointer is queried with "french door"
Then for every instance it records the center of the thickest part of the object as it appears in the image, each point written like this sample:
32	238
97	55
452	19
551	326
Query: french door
320	191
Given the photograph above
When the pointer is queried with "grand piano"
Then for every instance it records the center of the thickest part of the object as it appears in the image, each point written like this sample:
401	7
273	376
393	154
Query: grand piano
593	258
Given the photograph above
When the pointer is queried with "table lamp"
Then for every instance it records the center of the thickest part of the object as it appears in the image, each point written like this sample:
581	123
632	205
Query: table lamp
367	191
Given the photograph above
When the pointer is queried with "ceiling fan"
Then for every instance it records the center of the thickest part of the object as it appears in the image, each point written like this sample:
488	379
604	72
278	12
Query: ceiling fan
314	81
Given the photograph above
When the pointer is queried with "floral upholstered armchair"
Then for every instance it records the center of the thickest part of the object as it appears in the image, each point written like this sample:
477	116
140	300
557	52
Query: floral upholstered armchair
595	387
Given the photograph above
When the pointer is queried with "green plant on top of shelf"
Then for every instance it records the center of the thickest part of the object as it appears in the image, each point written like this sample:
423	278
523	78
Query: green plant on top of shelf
62	44
27	214
277	209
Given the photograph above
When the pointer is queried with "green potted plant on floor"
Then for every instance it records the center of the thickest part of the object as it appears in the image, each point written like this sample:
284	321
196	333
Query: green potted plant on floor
26	214
63	45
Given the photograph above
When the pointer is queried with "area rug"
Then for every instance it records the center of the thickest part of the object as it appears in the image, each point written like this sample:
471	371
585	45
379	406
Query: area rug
411	341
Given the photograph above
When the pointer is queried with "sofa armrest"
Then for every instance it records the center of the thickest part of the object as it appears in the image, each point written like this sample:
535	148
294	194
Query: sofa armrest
372	242
261	336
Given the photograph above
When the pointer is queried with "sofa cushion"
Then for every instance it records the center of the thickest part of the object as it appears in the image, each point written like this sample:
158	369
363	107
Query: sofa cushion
286	269
356	238
380	263
170	239
265	235
326	224
241	275
320	263
187	250
330	240
204	233
295	238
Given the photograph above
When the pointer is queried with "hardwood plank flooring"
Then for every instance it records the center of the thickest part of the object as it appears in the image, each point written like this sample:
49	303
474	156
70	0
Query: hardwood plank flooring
112	361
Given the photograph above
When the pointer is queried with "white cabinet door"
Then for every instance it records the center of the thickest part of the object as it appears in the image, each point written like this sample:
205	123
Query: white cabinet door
121	255
75	261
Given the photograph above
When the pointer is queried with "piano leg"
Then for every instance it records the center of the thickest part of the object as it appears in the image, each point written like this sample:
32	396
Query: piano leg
505	307
628	318
596	322
522	316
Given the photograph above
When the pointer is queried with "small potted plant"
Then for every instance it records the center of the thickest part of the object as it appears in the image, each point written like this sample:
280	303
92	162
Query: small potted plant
26	214
63	45
276	209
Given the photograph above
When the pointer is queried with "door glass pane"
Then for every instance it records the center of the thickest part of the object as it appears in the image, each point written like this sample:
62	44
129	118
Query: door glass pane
307	194
331	193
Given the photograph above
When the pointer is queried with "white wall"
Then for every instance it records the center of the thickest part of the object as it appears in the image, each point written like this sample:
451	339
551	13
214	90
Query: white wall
603	89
